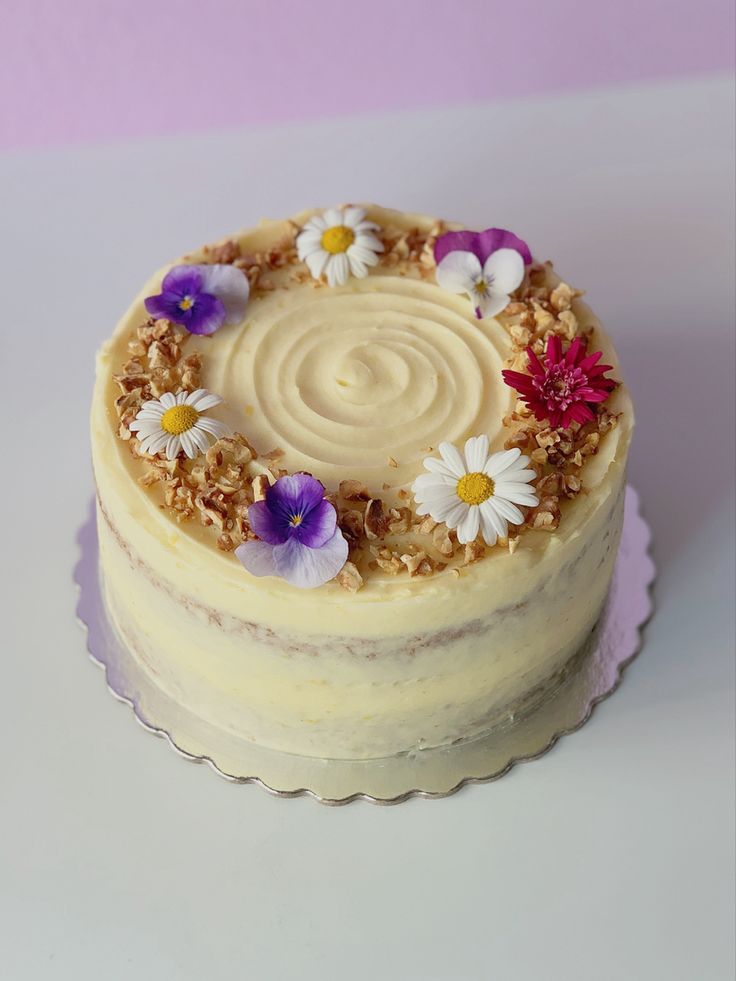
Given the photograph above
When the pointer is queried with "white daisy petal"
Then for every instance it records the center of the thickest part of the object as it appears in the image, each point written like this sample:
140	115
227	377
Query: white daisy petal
352	217
188	444
153	405
458	271
453	458
498	462
308	242
467	530
192	397
519	494
204	400
357	267
427	480
442	510
490	536
436	498
366	240
505	267
200	438
434	465
517	476
333	217
476	453
508	510
150	416
173	447
493	302
145	428
213	426
154	443
453	518
316	222
367	226
338	270
167	400
181	398
494	518
363	255
317	262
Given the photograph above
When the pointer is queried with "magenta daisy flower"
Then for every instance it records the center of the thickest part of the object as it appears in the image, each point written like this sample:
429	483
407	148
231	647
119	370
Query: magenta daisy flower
565	387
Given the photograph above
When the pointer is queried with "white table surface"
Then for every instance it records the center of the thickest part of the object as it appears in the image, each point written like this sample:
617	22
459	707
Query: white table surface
611	858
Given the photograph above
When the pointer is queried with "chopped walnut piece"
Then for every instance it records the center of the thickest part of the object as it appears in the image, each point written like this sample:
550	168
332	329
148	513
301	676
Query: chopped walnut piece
590	446
260	484
387	560
562	296
349	577
150	477
520	335
225	543
545	517
473	552
550	484
571	485
225	253
567	324
442	541
428	525
548	437
543	319
354	490
399	521
212	511
351	524
375	521
418	563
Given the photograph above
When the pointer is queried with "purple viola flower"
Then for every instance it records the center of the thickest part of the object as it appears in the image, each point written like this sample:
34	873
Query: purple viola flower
298	535
481	244
201	298
488	266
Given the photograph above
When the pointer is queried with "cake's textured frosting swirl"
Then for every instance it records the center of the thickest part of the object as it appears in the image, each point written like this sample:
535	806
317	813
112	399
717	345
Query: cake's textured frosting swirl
343	379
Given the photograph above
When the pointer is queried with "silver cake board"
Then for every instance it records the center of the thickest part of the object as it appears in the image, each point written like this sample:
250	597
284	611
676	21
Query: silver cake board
594	674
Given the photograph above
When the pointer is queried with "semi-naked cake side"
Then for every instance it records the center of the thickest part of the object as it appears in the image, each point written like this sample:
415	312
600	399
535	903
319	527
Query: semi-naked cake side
434	621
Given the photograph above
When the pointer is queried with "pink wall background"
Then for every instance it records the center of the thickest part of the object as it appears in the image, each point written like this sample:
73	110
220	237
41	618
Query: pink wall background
79	70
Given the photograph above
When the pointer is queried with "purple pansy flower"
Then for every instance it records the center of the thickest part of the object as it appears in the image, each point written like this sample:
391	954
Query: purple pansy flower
201	298
481	244
299	537
488	266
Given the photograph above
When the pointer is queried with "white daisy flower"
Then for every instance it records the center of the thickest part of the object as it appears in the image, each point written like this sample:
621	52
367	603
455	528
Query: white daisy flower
338	243
176	422
489	285
475	492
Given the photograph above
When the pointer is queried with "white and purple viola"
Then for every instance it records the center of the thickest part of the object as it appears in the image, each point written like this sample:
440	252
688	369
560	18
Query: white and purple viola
488	266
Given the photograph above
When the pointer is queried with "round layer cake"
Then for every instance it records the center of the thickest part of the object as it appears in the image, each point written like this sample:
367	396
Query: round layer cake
360	480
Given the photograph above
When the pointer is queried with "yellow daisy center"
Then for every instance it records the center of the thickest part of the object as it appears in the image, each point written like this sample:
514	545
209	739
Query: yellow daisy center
474	488
178	419
337	239
186	304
